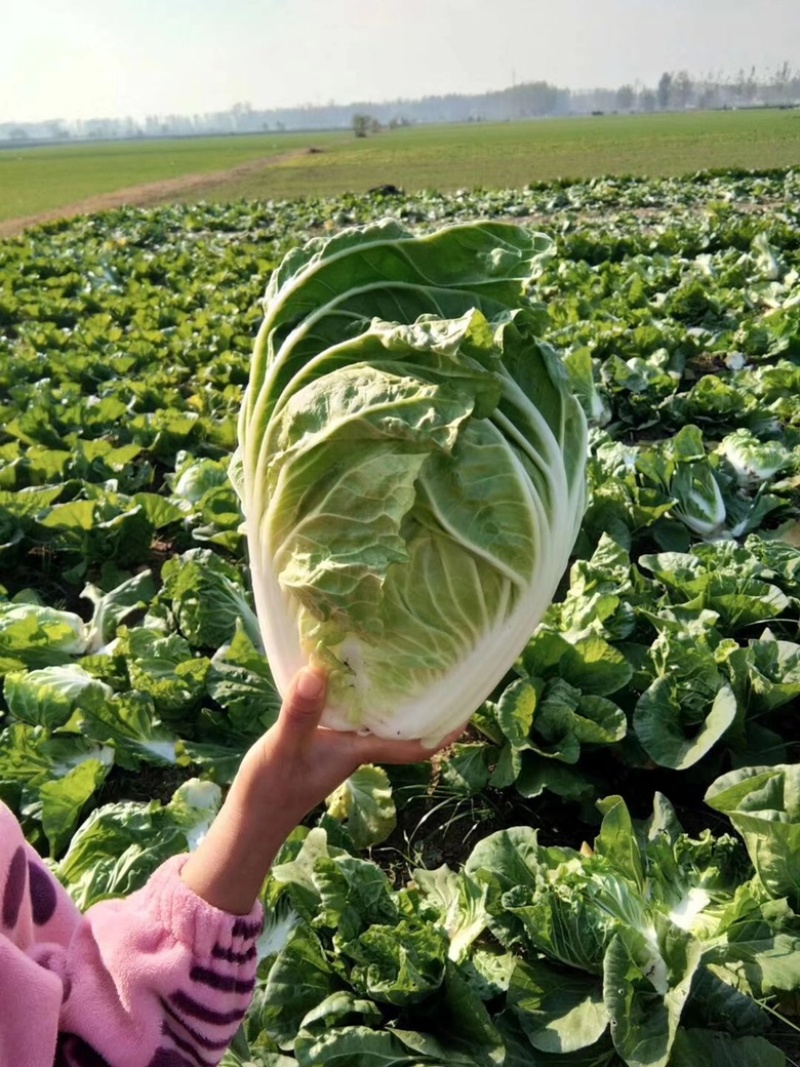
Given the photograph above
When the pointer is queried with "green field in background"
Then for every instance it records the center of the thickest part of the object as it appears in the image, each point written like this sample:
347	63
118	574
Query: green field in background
42	178
509	155
443	157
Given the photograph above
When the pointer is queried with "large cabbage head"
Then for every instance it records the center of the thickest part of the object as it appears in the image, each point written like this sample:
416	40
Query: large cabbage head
411	468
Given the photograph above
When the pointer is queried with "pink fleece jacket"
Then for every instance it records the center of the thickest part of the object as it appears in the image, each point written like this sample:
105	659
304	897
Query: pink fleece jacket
159	979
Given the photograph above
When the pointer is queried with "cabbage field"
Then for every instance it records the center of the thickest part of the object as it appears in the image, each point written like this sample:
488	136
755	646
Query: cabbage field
605	869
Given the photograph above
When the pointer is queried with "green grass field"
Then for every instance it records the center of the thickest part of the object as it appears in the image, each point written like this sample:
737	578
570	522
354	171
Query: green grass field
444	157
43	178
510	155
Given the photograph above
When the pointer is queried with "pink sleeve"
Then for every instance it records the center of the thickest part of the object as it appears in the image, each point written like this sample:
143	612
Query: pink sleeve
158	979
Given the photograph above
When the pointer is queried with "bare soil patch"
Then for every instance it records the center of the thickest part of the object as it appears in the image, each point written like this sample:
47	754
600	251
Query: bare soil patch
146	195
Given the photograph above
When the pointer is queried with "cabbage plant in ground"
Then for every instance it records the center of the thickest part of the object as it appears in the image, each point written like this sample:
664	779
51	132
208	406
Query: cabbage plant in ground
412	470
637	951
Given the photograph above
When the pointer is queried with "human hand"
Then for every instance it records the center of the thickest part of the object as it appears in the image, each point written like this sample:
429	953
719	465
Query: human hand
288	771
306	761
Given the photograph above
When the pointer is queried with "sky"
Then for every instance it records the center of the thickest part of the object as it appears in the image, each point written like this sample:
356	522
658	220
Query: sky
83	59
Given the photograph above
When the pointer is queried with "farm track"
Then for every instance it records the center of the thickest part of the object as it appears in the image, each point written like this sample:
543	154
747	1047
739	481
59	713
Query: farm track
146	195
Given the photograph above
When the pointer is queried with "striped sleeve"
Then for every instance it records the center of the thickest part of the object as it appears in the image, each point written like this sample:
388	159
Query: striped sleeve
159	979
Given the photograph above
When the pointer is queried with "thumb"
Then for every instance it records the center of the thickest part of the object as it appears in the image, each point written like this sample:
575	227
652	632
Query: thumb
304	702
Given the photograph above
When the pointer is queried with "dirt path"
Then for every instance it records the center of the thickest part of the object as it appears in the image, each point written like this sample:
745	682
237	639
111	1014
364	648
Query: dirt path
146	195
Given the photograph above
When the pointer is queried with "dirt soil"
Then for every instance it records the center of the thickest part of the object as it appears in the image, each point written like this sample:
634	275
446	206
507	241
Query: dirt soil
146	195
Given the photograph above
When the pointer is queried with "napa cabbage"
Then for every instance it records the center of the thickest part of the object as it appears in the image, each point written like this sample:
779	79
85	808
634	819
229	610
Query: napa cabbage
411	469
753	461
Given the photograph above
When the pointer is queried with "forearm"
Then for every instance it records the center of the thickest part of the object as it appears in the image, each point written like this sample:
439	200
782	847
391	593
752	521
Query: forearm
229	866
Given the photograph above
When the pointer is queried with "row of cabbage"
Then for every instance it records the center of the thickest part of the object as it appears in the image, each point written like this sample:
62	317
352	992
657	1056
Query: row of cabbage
670	662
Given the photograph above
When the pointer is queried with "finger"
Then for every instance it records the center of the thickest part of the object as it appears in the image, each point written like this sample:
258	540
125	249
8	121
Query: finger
378	750
304	702
451	737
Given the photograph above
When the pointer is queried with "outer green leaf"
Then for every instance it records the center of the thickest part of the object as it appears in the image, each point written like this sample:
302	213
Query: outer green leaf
617	841
659	724
644	1021
763	803
207	599
49	696
465	769
537	774
461	902
594	666
515	710
559	1010
463	1024
400	964
337	1010
357	1046
355	895
299	980
365	803
693	1047
34	635
116	850
63	799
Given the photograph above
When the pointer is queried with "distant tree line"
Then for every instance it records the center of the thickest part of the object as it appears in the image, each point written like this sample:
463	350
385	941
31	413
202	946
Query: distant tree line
675	90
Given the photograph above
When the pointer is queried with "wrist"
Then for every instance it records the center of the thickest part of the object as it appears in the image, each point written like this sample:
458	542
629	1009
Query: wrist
265	797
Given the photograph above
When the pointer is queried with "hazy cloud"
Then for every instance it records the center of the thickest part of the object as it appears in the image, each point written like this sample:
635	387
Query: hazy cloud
89	57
